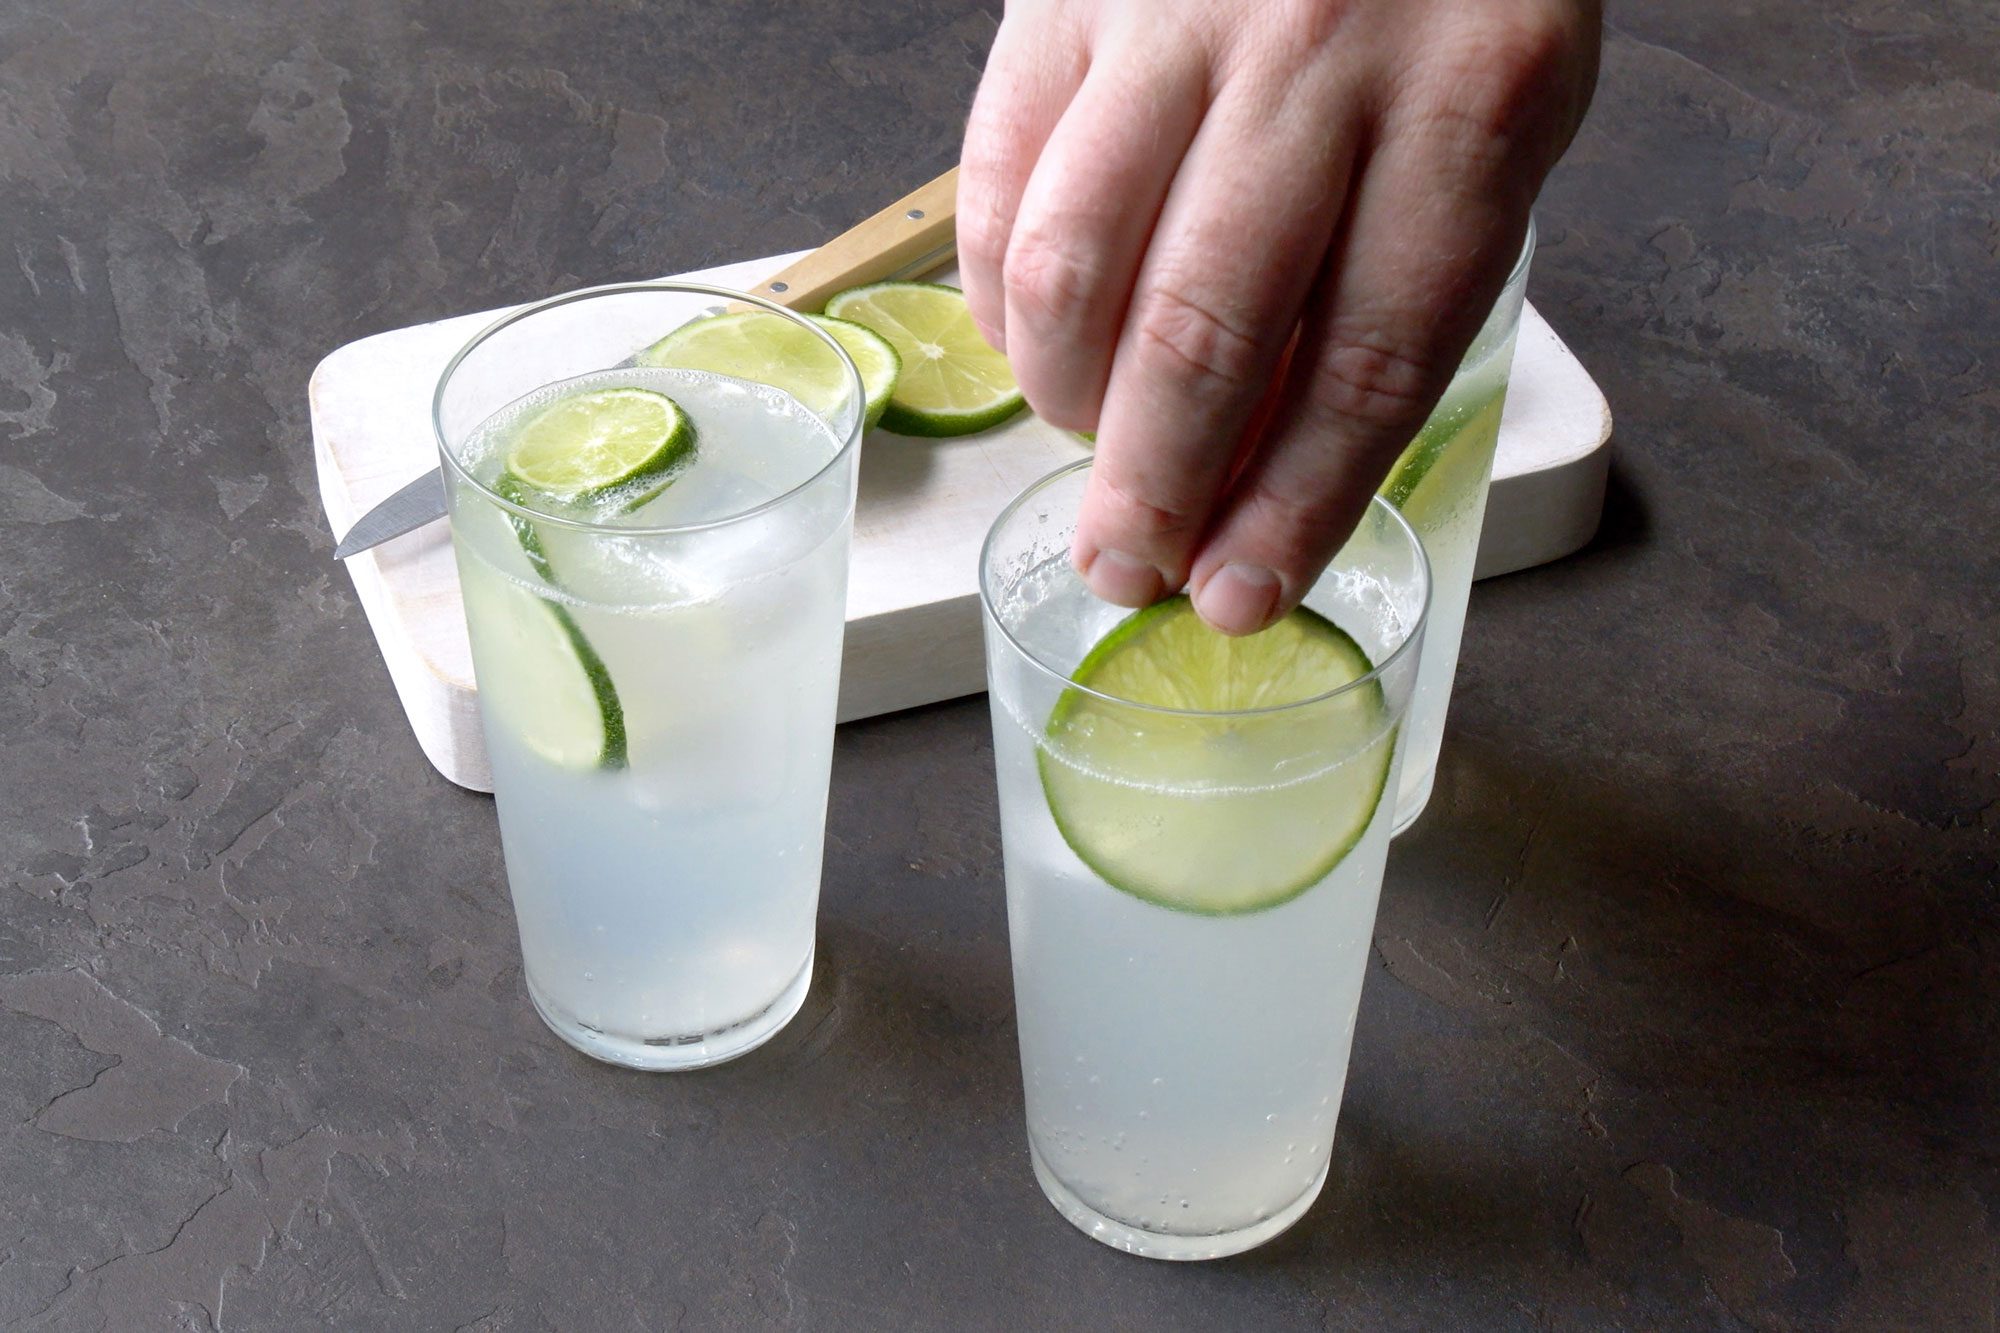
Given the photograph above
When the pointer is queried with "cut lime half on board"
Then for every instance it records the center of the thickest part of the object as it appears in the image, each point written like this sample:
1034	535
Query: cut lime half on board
549	688
952	382
601	446
764	348
1224	810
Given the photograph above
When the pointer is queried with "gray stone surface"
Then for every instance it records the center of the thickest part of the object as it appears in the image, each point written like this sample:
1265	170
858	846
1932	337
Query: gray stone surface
1683	1014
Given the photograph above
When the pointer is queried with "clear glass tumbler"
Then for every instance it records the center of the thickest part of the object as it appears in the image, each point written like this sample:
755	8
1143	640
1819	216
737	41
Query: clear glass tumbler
657	672
1190	893
1440	483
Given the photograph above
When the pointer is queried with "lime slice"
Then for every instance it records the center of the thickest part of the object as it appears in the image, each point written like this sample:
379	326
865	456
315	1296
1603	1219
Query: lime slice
770	349
1223	811
601	445
952	382
507	487
1444	467
550	688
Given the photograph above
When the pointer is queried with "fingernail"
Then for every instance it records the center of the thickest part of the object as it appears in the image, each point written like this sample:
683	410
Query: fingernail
1239	599
993	336
1124	580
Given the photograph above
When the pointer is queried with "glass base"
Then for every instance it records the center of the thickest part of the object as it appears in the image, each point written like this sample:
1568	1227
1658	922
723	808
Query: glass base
694	1051
1409	806
1165	1245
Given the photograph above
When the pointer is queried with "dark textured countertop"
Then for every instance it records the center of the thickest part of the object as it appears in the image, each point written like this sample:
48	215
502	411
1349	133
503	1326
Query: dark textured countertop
1683	1013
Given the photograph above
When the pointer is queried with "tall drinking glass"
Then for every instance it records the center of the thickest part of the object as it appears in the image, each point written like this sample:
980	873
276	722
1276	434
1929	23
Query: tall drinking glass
1440	485
657	656
1191	890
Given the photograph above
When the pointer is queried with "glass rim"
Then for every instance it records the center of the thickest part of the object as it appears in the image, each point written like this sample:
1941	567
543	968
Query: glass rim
1527	253
986	605
725	294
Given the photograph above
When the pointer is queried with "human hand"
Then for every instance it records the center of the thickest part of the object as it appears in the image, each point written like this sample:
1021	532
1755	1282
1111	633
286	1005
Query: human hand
1153	197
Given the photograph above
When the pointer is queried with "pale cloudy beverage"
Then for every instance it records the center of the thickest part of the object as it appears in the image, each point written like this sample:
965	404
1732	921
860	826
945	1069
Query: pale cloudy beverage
1440	485
1194	830
654	570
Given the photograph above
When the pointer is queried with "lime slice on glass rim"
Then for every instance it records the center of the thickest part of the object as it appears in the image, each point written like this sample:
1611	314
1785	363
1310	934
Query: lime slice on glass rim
1227	809
769	349
952	382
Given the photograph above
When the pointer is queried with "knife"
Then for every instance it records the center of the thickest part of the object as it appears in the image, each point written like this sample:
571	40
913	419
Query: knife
912	236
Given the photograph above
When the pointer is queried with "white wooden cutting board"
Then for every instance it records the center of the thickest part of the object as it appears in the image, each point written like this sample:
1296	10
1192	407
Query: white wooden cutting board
913	634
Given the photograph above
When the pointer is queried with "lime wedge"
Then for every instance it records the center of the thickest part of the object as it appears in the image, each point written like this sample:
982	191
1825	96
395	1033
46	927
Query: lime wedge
553	691
1222	811
952	382
1443	468
770	349
601	445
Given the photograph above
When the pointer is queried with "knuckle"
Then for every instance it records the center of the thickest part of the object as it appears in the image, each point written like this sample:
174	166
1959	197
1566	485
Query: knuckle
1275	35
1162	516
982	231
1193	344
1533	42
1306	25
1373	379
983	218
1495	90
1294	525
1051	276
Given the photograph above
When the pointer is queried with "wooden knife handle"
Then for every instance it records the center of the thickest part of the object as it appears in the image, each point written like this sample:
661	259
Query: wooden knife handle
910	237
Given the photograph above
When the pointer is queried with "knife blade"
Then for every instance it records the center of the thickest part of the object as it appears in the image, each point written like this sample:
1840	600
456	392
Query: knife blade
910	237
418	503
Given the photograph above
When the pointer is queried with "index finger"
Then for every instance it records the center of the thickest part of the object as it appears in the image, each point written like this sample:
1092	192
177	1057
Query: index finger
1031	75
1250	211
